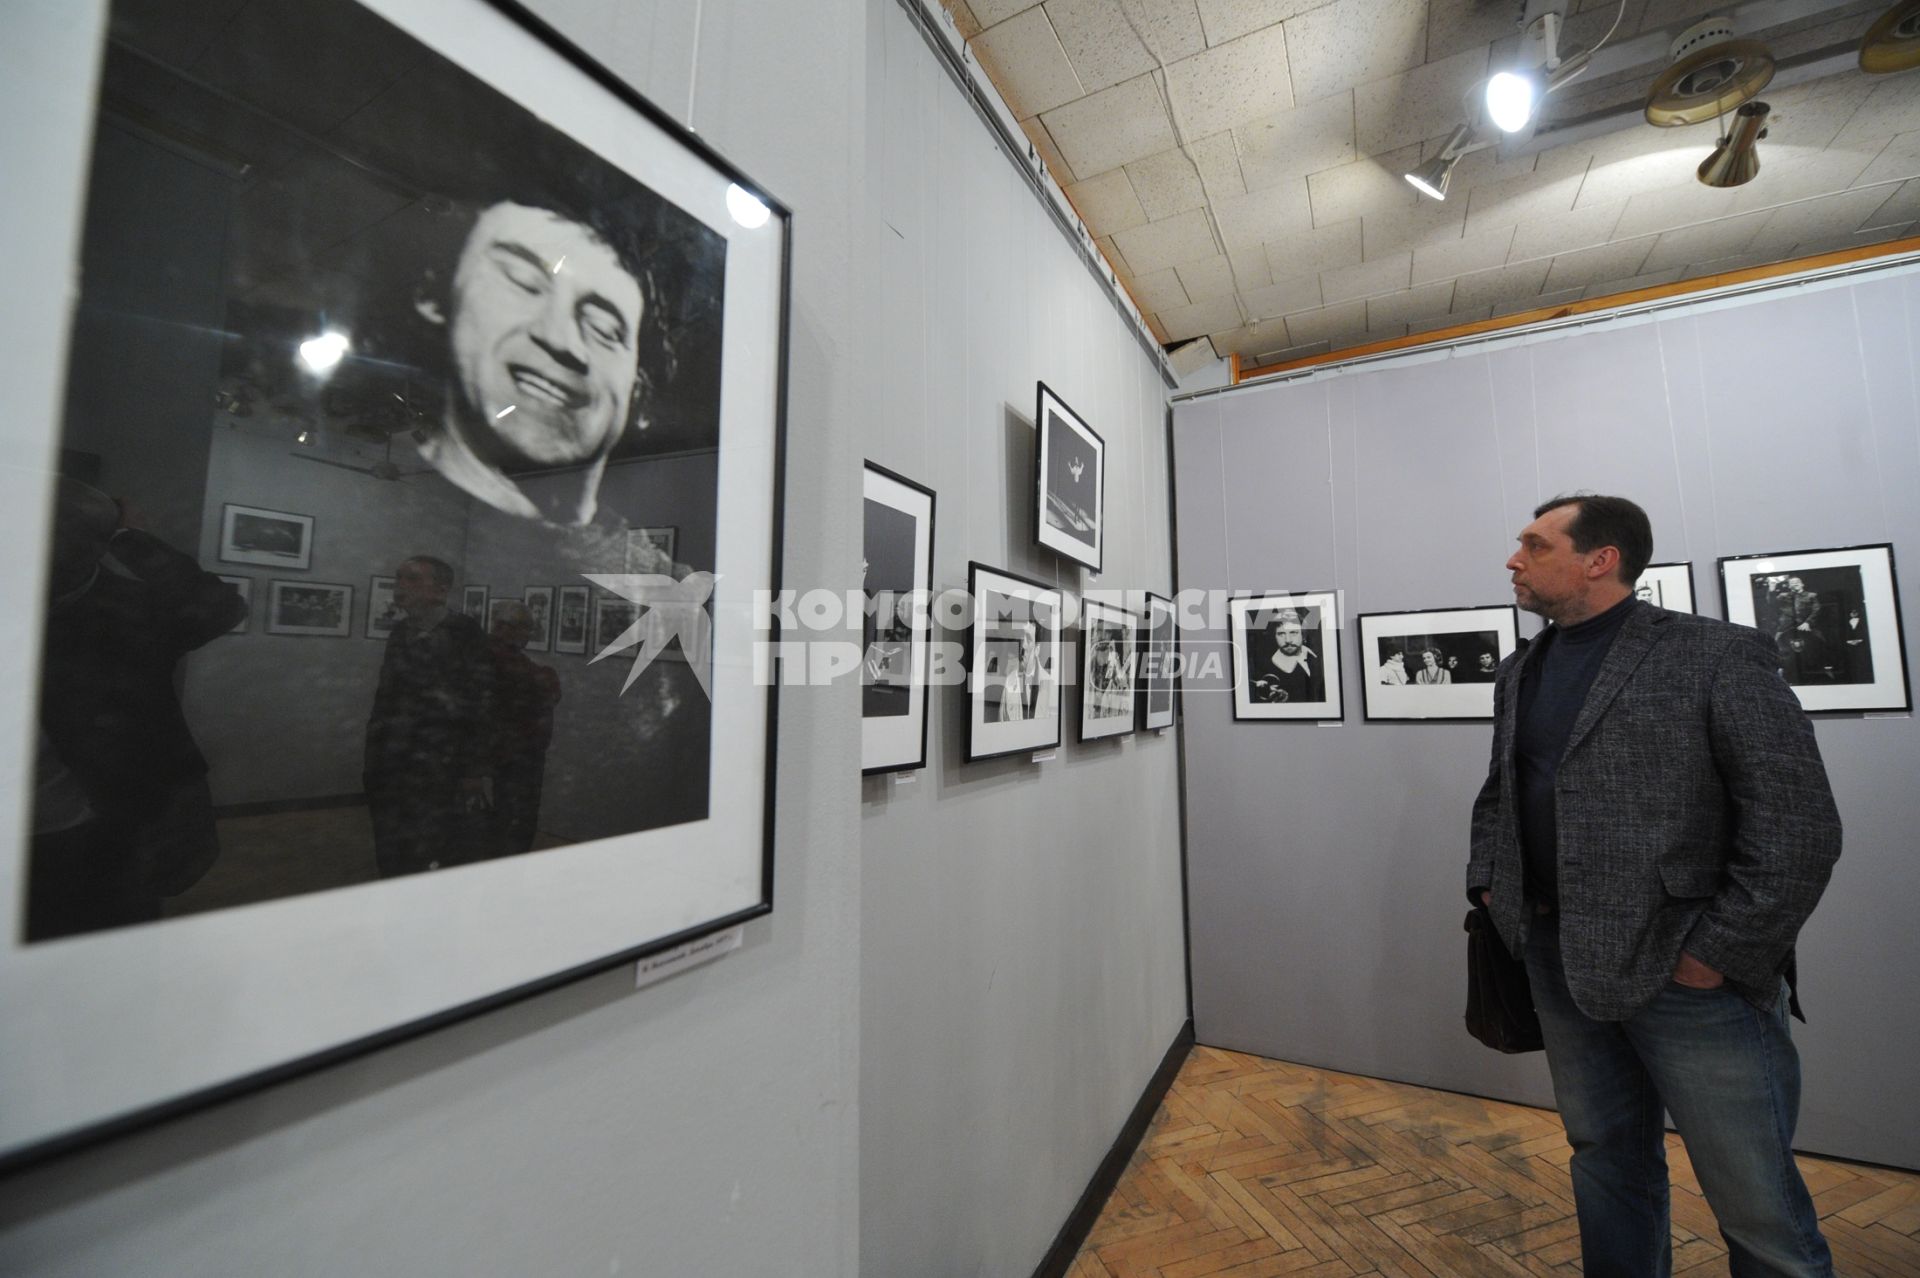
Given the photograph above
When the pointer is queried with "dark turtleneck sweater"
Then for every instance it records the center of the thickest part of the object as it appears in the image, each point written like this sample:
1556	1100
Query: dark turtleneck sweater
1551	696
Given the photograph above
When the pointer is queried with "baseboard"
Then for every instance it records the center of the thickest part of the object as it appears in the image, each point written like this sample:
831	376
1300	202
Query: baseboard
1073	1234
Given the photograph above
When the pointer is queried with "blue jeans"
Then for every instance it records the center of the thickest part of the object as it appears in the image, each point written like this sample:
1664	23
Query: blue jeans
1730	1077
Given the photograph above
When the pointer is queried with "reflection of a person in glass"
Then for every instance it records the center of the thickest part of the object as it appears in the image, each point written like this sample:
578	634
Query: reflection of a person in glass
428	759
547	324
524	695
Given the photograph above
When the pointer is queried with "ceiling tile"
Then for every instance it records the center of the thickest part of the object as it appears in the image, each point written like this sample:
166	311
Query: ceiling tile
1288	145
1418	104
1253	339
1834	243
1250	268
1208	278
1893	107
1453	25
1367	185
1255	218
1302	293
1650	279
1589	266
1678	206
1721	238
1545	301
1219	165
1499	287
1350	42
1610	181
1166	183
1517	200
1458	315
1101	46
1231	83
1107	203
1027	64
1339	325
1226	20
1830	215
1159	291
1902	206
1408	305
1172	27
1452	258
1310	252
1900	159
992	11
1812	114
1564	232
963	18
1183	238
1368	279
1201	318
1424	224
1477	167
1115	258
1801	175
1036	131
1112	127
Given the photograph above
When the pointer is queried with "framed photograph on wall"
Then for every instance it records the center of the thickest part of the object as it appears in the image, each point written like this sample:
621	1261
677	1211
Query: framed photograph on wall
315	608
570	620
650	550
1159	649
270	538
1070	467
382	616
1013	664
1834	616
897	578
457	140
539	602
1668	586
1109	666
1286	656
612	618
245	586
1434	664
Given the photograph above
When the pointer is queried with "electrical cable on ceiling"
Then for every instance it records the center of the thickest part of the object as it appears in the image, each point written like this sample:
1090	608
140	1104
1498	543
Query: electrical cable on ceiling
1619	13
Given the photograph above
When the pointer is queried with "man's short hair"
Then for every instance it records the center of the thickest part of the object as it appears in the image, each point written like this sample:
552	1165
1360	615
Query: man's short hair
1608	521
439	569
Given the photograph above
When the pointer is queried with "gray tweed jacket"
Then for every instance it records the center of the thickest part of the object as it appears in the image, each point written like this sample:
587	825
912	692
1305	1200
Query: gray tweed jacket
1693	813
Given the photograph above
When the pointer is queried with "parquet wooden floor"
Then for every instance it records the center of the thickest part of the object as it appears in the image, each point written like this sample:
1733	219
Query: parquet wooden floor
1255	1167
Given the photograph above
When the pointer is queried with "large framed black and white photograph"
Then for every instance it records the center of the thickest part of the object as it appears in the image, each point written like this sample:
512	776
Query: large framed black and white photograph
1668	586
1834	617
375	291
1286	656
570	620
1436	663
897	581
1159	657
1071	470
1013	664
1109	669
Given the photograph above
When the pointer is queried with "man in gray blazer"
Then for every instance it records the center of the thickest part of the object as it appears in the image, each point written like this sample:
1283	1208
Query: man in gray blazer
1654	829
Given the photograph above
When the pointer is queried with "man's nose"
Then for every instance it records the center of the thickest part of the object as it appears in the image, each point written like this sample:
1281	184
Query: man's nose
556	332
1513	562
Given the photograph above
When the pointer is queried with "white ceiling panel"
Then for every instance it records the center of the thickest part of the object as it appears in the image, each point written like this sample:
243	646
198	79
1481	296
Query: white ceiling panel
1225	20
1253	339
1422	224
1365	186
1250	267
1110	128
1559	297
1284	297
1721	238
1107	203
1251	219
1159	291
1171	27
1900	207
1516	200
1166	184
1565	232
1185	237
1368	279
1455	25
1353	42
1400	109
1208	278
1288	145
1336	325
1231	83
1501	286
1648	279
1450	259
1591	266
1200	318
1027	64
1321	249
1828	215
1099	42
989	12
1897	161
1219	163
1410	305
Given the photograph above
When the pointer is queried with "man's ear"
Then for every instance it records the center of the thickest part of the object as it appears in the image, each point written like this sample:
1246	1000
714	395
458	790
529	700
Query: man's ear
426	302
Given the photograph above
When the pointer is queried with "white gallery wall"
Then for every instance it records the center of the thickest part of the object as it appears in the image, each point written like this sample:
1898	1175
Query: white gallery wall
1022	972
1326	864
706	1125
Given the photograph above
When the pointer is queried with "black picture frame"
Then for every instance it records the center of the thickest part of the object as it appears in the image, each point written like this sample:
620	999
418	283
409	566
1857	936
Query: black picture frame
473	602
1848	656
1264	692
265	538
1470	700
1019	653
382	616
539	602
572	619
1109	670
455	969
309	609
1160	649
893	714
1059	473
1668	586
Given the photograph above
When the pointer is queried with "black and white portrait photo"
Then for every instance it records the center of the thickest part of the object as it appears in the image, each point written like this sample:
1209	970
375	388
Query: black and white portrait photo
1013	675
1834	619
1109	668
1159	650
1070	465
1286	656
1668	586
1434	664
404	296
896	582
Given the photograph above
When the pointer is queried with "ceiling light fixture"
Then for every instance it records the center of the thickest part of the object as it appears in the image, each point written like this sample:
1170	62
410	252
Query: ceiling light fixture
1512	98
1431	178
320	354
1892	43
1711	74
1736	161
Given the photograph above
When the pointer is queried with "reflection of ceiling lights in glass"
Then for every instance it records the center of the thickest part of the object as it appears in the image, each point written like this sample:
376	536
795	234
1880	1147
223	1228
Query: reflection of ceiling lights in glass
320	354
747	208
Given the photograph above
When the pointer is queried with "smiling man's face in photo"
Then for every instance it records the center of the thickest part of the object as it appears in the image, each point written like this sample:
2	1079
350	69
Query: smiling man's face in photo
544	325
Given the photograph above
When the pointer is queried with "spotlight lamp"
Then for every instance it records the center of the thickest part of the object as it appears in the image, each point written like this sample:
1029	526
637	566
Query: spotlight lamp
1511	98
1431	178
1736	161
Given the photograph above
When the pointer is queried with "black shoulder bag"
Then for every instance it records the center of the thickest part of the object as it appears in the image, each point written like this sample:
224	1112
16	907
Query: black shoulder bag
1499	1001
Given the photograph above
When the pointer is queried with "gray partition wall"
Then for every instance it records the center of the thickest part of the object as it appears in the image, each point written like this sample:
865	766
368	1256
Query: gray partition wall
1325	864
